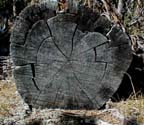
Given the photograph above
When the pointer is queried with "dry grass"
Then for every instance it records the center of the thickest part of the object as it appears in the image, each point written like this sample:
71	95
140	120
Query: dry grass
8	98
132	108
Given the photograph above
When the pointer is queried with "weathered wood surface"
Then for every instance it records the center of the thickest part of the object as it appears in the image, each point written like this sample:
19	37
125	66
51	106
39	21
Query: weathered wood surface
62	63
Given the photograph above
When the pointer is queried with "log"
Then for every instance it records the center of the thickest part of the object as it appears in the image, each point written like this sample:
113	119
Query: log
62	63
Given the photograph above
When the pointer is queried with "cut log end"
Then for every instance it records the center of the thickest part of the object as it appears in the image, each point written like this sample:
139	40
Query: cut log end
60	66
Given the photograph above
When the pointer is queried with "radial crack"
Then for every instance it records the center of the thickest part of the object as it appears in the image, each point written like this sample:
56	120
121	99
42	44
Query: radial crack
95	52
57	93
54	41
29	27
106	64
80	86
92	48
33	78
73	40
49	29
41	43
59	48
58	71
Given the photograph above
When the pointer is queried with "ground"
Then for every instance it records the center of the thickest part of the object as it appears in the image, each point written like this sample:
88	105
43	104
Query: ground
12	108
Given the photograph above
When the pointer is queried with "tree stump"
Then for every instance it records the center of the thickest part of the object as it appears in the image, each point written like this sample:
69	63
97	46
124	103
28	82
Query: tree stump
67	61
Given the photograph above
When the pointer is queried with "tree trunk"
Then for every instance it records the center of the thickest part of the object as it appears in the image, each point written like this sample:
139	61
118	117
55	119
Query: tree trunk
67	61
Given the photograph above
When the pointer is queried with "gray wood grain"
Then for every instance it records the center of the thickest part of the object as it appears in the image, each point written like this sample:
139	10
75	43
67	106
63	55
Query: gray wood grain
57	65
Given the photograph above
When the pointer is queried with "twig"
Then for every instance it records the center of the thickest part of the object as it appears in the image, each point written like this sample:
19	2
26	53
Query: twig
131	84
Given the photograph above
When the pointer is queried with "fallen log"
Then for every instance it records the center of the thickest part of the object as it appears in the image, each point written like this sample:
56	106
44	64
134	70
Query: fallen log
66	60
